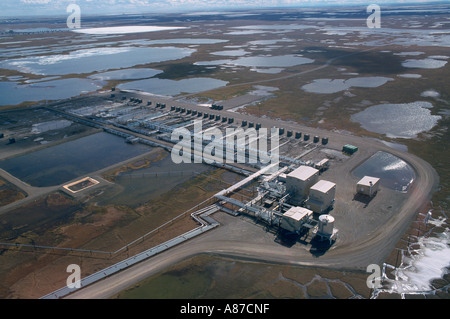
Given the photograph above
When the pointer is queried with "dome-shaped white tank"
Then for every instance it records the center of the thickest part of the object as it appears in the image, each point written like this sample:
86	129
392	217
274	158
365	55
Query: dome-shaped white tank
326	224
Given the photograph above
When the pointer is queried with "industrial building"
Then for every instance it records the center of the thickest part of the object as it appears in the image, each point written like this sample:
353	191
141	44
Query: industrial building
368	185
323	165
294	219
321	196
299	181
349	149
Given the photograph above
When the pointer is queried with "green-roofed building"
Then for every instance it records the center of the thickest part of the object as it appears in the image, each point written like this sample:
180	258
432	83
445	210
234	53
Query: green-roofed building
349	149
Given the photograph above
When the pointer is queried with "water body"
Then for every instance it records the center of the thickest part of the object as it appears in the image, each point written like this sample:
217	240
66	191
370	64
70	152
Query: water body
424	63
193	41
61	163
171	88
214	62
96	59
328	86
139	186
269	42
410	76
127	74
398	120
430	93
267	70
231	52
393	172
245	32
13	93
276	27
125	29
272	61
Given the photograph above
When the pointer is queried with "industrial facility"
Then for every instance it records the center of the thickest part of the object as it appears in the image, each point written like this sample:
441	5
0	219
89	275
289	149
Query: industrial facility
288	197
292	197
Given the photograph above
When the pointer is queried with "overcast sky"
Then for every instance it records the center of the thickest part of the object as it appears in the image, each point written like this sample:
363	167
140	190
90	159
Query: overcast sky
58	7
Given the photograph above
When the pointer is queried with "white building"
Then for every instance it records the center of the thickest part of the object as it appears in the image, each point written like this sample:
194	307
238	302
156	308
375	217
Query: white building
299	181
368	185
321	196
323	164
294	218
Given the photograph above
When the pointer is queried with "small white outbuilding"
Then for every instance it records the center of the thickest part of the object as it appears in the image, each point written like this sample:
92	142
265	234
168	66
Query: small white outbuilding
368	185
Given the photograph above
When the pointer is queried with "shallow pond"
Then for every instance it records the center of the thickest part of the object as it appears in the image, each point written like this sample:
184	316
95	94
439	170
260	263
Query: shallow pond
61	163
398	120
393	172
327	86
95	59
13	93
172	87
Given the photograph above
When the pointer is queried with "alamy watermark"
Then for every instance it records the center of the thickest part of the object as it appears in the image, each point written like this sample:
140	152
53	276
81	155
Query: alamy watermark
374	279
374	19
74	279
74	19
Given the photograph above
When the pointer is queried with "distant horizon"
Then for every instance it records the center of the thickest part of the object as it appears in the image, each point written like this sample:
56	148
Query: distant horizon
57	8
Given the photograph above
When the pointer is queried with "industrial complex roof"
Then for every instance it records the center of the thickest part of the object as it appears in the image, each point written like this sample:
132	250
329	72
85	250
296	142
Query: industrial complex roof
303	172
323	186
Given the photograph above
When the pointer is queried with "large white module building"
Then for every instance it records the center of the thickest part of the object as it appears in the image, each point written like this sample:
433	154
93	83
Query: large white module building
321	196
299	181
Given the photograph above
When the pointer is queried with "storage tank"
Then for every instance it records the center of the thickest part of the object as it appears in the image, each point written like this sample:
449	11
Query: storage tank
298	134
326	224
